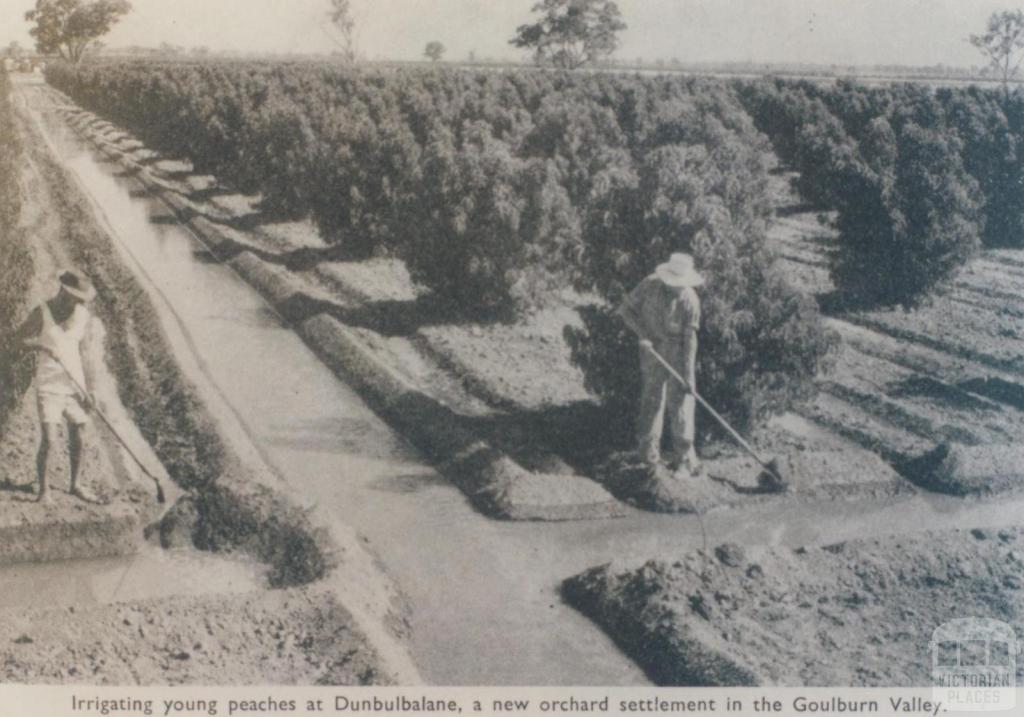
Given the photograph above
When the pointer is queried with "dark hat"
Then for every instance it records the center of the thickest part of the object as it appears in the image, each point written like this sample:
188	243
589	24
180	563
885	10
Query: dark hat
77	285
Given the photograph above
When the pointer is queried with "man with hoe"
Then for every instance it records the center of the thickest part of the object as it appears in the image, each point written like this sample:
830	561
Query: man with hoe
664	312
60	330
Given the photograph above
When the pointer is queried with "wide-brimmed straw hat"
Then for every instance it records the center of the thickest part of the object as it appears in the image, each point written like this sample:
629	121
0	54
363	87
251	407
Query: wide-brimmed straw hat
679	272
76	284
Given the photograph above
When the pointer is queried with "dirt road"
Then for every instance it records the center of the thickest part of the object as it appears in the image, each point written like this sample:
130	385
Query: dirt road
483	594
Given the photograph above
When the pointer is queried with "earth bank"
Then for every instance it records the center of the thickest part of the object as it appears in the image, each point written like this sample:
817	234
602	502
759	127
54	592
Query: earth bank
301	632
859	613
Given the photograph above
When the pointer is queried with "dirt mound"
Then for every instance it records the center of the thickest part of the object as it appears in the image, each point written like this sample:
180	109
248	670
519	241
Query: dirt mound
853	614
969	470
659	489
815	473
733	480
546	496
298	637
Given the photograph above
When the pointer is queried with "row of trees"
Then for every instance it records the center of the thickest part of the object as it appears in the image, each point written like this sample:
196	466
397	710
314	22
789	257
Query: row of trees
497	188
567	34
16	266
919	179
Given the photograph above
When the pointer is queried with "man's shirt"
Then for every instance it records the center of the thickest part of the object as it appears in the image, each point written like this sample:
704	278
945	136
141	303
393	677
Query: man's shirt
660	313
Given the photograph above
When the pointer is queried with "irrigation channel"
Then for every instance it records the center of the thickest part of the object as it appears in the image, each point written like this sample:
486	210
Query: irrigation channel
483	593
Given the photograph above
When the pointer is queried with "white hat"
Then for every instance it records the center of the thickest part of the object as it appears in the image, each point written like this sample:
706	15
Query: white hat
678	271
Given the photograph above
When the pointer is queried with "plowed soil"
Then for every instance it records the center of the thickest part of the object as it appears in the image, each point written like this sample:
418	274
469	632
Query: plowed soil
853	614
299	637
951	371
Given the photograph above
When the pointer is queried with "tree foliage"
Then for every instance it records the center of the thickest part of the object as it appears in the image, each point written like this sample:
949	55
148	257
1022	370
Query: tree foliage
434	50
991	129
1002	43
571	33
340	15
916	176
70	27
909	215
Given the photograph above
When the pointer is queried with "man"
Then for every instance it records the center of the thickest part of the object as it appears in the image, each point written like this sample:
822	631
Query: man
664	312
60	330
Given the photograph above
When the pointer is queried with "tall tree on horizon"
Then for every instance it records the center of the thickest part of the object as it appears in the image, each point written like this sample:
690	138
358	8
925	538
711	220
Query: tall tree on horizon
69	28
572	33
1002	43
341	17
434	50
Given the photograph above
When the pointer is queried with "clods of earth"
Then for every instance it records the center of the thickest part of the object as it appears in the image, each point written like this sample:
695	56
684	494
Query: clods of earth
272	637
859	613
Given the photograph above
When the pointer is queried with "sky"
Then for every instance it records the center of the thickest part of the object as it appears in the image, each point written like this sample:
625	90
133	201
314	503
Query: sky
846	32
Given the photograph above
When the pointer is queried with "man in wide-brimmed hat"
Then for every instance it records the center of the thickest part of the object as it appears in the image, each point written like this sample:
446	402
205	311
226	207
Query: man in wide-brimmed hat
664	312
60	330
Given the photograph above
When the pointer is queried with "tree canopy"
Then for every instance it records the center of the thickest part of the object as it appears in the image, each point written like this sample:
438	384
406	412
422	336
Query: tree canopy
69	27
434	50
341	17
572	33
1002	43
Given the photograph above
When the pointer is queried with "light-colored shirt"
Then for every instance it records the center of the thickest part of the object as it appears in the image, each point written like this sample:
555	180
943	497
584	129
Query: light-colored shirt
660	313
66	341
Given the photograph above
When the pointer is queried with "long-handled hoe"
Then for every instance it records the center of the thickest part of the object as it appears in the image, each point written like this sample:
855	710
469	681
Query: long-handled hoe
160	497
771	479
